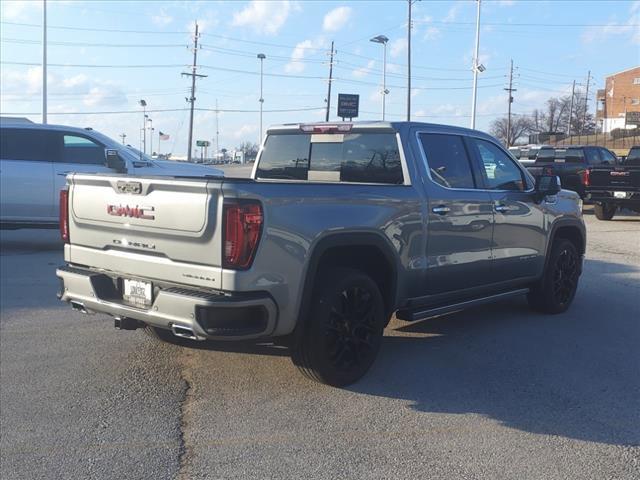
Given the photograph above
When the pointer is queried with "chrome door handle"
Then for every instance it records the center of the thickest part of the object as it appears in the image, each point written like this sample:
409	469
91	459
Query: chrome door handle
441	210
502	208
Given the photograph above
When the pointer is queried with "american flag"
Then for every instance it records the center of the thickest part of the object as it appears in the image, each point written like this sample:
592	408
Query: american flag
163	136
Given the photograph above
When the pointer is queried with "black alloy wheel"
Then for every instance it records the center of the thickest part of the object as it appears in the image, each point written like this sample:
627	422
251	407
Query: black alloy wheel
555	291
338	340
565	276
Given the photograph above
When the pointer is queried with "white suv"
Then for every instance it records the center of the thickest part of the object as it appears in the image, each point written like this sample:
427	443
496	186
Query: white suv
35	159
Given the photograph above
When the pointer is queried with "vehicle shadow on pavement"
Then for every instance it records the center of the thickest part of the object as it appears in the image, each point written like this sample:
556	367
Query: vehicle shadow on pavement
574	375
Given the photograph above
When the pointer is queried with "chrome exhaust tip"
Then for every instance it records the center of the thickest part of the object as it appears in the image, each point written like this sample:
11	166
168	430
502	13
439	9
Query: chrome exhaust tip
184	331
79	307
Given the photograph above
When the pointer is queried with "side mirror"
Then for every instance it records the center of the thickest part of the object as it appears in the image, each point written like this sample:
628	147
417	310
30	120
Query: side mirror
548	185
115	161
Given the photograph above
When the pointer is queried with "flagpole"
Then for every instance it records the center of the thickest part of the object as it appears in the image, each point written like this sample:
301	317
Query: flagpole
159	143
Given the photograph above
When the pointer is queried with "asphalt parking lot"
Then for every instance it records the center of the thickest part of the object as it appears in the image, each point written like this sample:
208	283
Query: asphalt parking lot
492	392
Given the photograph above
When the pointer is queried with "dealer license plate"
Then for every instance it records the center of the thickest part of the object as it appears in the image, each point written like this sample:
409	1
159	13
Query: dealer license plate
137	292
620	194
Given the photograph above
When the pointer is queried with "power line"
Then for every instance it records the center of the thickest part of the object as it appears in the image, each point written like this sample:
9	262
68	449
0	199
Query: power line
185	109
87	29
84	44
516	24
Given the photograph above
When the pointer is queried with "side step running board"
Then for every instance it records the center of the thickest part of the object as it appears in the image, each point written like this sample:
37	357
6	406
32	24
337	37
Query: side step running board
421	313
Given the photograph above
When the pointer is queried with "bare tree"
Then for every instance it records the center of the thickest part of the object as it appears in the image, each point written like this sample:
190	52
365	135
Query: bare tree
521	125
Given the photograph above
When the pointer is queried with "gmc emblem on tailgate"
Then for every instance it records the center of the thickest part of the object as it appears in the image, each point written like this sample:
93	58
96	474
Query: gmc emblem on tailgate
613	173
129	187
133	212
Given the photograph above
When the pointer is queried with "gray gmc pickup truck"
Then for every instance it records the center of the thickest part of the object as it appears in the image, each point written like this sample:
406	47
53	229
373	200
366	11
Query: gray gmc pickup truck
340	227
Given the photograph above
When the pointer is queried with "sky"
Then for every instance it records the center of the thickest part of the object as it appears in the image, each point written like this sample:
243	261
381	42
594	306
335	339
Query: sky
104	56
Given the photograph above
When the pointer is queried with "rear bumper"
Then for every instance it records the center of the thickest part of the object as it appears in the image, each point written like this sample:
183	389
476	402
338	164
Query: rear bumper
632	198
210	315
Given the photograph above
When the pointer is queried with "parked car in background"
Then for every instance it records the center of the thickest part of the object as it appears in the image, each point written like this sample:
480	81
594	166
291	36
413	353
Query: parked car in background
341	226
633	157
571	164
611	188
525	154
36	158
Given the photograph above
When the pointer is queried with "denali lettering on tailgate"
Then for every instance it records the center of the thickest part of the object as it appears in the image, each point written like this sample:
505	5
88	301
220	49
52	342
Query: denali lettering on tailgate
133	212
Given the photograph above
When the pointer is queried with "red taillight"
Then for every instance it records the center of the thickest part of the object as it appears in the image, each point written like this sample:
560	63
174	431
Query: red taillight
64	215
586	179
242	227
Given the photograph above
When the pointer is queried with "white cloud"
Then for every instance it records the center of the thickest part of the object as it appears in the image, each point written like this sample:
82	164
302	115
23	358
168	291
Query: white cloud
336	19
452	14
615	28
364	71
398	47
264	17
162	18
90	91
18	10
296	64
506	3
246	131
432	33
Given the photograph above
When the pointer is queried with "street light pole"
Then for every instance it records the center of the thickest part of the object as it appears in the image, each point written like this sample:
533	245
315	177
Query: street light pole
383	40
476	69
143	104
150	137
261	56
44	61
409	62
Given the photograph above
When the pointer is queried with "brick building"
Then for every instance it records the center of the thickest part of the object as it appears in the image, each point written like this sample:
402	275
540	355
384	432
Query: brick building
620	96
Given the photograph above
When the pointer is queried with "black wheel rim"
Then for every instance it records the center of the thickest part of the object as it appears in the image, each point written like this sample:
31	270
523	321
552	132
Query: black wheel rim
565	276
350	329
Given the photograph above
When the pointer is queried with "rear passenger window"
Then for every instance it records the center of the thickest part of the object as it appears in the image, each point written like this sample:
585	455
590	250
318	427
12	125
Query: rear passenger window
608	157
76	149
355	157
593	157
447	160
27	144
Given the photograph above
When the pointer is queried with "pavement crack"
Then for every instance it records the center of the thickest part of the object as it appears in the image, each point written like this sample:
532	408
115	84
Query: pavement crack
186	404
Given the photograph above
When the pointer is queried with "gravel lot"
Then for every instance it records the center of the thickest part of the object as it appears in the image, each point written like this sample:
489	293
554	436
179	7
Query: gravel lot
493	392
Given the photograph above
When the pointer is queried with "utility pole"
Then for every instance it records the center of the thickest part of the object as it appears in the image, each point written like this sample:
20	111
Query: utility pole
44	61
261	56
476	69
123	136
192	98
410	2
326	119
573	89
510	90
586	102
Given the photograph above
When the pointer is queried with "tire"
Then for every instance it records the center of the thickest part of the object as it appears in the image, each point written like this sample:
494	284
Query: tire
557	288
604	211
339	340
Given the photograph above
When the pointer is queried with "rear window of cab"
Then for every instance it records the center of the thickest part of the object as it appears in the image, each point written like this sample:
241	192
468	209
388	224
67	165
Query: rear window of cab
343	157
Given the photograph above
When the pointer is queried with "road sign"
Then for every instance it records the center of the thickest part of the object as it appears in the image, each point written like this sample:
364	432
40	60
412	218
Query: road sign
633	118
348	105
203	143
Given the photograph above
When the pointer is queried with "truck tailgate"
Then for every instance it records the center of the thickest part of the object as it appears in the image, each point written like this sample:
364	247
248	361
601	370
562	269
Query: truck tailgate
151	227
623	178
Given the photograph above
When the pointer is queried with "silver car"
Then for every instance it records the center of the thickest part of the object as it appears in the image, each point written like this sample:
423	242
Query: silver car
35	160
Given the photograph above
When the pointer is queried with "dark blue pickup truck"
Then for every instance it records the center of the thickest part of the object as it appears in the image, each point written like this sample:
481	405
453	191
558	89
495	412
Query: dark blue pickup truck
572	164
